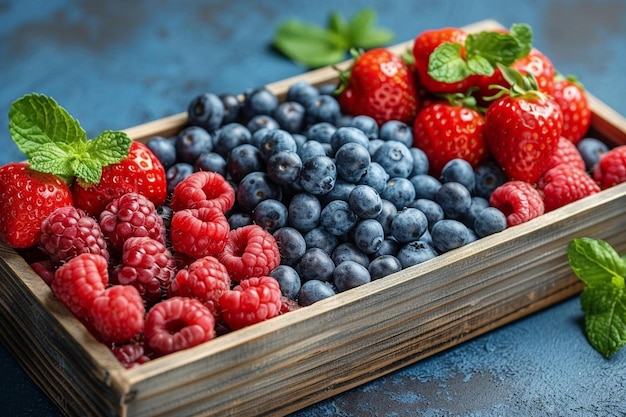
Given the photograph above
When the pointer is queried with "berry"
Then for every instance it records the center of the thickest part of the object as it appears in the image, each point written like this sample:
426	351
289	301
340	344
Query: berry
309	149
199	232
69	231
252	301
315	263
291	245
421	165
348	134
131	354
290	116
350	274
318	175
27	198
210	161
454	198
178	323
236	220
203	189
301	92
368	235
337	217
461	171
288	280
386	216
232	108
45	269
376	177
205	279
395	158
566	153
256	187
348	251
128	216
176	173
323	108
570	96
284	167
147	265
365	202
426	186
489	221
229	137
164	149
519	201
591	149
276	140
383	265
117	314
449	234
270	214
431	209
322	239
400	191
191	142
398	131
564	184
250	251
207	111
611	168
321	132
304	212
365	124
259	101
488	177
415	252
243	160
258	124
79	281
408	225
313	291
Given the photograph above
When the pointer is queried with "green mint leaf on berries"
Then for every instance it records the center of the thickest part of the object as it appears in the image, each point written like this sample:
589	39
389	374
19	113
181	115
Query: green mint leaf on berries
316	46
54	142
603	300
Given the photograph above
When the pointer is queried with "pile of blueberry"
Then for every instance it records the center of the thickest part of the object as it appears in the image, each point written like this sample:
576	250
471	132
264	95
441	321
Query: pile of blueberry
348	201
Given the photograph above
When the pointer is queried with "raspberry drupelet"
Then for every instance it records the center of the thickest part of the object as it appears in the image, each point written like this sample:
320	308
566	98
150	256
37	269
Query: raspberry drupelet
518	200
252	301
199	232
203	189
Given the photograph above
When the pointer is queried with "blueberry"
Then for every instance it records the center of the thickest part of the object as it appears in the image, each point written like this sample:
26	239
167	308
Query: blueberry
313	291
320	238
383	265
369	235
489	221
366	124
191	142
375	145
243	160
301	92
337	218
164	149
166	213
459	170
321	132
348	134
236	220
431	210
300	139
284	167
376	177
426	186
318	175
304	212
210	161
365	202
400	192
262	121
288	281
232	108
259	101
415	252
420	162
256	187
454	199
352	161
390	246
276	140
270	214
328	88
488	176
309	149
350	274
408	225
348	251
229	137
316	263
386	216
476	207
395	158
591	149
207	111
341	191
449	234
398	131
176	173
291	245
290	116
323	108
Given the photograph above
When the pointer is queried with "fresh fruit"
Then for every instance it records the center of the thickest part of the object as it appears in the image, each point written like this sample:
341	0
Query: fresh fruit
564	184
571	97
519	201
523	128
566	153
117	314
611	167
199	232
27	198
254	300
380	85
591	150
203	189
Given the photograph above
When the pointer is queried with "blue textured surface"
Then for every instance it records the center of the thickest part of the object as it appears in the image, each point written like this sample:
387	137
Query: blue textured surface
118	64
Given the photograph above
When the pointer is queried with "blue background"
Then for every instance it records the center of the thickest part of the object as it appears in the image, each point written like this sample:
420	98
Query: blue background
115	64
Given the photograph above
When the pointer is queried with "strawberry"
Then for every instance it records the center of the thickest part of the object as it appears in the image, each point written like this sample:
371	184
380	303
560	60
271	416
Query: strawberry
379	84
523	128
140	172
27	198
570	95
447	130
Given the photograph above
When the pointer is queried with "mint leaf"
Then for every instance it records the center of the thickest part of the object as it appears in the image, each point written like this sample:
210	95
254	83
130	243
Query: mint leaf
524	36
595	261
53	157
109	147
446	63
362	32
605	317
36	119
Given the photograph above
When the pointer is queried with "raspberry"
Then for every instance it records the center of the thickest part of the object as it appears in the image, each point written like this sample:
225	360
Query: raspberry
117	314
205	279
611	168
566	153
203	189
178	323
564	184
288	305
199	232
252	301
251	251
68	231
131	215
131	354
147	265
519	202
45	269
79	281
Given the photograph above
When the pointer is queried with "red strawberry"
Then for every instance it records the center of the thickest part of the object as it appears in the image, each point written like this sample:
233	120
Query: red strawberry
570	95
380	85
27	198
523	128
141	172
446	131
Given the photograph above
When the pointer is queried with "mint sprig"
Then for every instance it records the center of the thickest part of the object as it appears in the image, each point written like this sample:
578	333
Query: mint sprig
316	46
603	300
54	142
483	51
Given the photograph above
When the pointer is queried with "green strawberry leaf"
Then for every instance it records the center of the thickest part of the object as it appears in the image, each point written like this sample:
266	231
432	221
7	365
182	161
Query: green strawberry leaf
595	261
605	317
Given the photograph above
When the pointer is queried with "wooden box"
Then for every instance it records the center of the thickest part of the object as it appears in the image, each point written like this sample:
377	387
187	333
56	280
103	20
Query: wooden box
297	359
